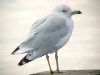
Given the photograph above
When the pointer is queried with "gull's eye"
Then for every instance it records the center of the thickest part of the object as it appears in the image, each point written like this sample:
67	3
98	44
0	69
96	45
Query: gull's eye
63	10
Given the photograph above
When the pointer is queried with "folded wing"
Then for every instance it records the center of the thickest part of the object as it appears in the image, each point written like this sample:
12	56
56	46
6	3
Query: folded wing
42	39
25	46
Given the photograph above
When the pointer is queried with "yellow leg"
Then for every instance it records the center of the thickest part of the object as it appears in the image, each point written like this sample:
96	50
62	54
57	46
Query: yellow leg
56	57
49	64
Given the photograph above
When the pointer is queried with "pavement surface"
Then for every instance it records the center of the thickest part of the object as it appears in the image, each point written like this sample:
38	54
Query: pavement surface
71	72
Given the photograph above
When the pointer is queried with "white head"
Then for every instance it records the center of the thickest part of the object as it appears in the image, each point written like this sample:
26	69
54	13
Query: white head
64	9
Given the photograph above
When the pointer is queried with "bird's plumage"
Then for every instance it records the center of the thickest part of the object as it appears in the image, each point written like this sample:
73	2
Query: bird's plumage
47	35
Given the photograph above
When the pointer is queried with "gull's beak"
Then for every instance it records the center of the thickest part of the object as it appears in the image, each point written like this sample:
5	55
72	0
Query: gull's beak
76	12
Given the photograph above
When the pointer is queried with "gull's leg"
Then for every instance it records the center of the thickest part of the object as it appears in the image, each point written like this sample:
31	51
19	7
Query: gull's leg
49	64
56	57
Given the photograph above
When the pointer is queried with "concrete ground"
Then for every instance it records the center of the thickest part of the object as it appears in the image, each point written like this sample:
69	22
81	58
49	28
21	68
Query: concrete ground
72	72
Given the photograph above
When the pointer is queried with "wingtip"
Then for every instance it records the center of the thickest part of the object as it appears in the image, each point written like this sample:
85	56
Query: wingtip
13	53
24	61
20	64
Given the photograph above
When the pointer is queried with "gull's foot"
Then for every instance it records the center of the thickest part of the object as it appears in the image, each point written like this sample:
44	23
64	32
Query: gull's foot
51	72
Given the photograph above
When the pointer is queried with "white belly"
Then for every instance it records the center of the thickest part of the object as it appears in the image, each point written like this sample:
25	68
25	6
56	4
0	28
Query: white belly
63	41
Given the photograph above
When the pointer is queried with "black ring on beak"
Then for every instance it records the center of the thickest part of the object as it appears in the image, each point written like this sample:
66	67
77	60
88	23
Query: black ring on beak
79	12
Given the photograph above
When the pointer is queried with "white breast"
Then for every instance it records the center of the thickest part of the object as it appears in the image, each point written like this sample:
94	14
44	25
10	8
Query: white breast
65	39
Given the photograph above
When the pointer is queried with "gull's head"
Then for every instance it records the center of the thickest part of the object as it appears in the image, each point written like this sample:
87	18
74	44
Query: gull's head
66	10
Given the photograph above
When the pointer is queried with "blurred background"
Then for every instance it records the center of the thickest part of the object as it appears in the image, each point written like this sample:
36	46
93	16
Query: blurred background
81	52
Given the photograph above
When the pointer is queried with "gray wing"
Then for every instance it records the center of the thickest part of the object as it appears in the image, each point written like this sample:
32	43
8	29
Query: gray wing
50	33
45	37
25	45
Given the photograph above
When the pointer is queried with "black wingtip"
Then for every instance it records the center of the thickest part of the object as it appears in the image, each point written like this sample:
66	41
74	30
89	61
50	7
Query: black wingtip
12	53
24	61
20	63
15	50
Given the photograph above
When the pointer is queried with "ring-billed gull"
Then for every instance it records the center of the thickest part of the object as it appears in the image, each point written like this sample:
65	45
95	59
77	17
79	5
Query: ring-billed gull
47	35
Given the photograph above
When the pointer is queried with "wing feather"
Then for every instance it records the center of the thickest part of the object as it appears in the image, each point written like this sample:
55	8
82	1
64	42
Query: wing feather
24	46
45	35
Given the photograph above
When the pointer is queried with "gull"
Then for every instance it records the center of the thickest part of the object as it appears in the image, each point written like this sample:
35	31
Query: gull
48	35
